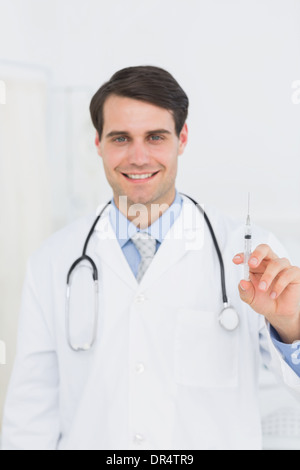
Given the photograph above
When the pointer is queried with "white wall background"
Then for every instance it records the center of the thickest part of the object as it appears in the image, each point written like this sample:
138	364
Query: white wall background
237	61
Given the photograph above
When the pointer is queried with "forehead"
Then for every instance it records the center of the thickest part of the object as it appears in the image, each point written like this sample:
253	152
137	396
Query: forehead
122	113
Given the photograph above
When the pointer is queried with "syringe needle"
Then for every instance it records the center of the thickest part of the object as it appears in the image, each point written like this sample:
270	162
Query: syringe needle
249	204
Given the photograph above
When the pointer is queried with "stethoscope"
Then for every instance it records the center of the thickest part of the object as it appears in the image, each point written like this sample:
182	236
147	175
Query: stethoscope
228	318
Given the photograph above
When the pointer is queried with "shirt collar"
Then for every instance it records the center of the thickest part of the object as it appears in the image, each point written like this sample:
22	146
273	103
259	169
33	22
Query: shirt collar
124	229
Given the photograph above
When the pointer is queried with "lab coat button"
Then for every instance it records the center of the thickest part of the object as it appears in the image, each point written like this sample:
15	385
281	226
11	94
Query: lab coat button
140	368
140	298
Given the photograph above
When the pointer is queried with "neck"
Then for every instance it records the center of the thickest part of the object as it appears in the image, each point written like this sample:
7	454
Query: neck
142	215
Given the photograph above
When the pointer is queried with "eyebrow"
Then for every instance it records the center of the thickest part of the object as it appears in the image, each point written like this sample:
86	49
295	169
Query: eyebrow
156	131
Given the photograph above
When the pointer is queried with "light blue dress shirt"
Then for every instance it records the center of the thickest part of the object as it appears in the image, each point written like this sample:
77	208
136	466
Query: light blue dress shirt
290	352
125	229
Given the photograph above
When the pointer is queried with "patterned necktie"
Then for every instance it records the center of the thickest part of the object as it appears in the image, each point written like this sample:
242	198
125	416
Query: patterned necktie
146	246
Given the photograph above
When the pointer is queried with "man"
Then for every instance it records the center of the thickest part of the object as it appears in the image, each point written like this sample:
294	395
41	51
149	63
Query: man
162	372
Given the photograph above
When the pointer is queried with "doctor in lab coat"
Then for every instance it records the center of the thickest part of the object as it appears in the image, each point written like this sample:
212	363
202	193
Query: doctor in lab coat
163	373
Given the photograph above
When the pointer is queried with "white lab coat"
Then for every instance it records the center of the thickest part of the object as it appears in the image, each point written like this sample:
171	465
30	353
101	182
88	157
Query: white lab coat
163	373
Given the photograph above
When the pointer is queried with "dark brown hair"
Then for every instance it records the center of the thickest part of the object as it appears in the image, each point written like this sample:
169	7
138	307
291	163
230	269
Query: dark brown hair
145	83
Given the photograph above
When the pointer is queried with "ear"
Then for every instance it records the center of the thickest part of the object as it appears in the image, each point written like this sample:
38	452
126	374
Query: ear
97	143
183	139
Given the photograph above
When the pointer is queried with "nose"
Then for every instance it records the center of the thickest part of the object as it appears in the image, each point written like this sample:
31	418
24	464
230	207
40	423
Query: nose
138	154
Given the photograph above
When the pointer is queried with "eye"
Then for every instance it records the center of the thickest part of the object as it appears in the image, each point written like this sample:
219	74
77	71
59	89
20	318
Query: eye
156	138
120	139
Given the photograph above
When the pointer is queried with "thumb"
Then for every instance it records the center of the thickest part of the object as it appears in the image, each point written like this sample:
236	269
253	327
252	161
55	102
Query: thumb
247	291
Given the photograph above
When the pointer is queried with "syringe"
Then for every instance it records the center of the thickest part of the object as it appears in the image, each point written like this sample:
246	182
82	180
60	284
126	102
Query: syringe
248	237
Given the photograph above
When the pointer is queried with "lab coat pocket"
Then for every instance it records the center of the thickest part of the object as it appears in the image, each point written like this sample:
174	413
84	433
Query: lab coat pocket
205	354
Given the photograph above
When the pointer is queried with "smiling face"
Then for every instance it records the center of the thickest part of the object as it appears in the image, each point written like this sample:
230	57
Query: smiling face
140	150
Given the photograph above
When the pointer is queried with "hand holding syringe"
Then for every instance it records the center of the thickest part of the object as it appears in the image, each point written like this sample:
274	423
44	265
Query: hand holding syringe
274	288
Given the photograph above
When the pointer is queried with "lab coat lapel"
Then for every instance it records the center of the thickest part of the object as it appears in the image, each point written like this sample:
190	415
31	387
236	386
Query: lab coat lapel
186	234
109	251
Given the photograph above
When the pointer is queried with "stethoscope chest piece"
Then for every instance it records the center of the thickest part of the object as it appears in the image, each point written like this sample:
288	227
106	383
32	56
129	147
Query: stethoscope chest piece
229	319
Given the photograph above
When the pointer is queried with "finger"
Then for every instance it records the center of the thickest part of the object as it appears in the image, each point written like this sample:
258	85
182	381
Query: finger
261	253
239	258
274	267
285	278
247	292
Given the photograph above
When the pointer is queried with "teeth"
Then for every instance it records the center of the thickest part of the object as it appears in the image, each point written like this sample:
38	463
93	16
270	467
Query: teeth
140	177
